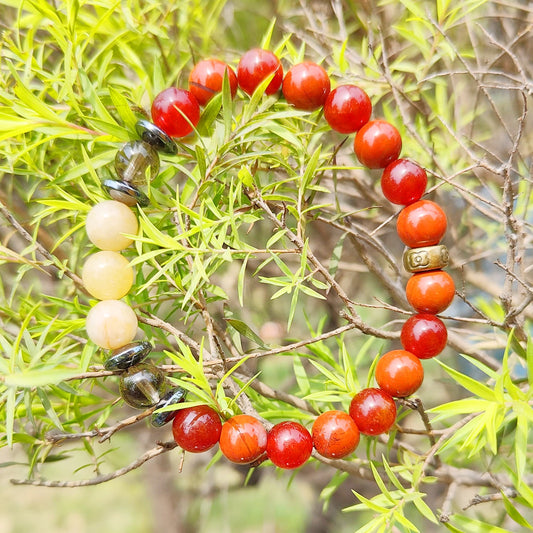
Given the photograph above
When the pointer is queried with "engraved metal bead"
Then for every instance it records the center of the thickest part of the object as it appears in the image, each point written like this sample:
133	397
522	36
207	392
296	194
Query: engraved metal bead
156	137
426	258
126	193
126	356
174	396
136	162
142	385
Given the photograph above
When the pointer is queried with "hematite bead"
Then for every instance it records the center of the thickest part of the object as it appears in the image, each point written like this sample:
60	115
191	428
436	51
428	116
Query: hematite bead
426	258
128	355
142	385
172	397
126	193
134	161
155	136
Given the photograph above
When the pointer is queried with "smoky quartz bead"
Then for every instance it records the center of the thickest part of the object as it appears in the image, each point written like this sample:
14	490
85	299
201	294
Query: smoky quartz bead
129	355
173	397
142	385
136	162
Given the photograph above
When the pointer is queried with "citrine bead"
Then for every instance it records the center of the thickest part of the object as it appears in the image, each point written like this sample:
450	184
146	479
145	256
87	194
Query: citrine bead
107	275
111	324
136	162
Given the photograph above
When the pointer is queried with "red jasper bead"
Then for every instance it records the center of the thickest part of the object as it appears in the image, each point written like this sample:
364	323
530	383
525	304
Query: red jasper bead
206	78
424	335
306	86
335	434
196	429
169	109
377	144
256	65
289	445
403	182
421	224
243	439
373	411
430	292
347	108
399	373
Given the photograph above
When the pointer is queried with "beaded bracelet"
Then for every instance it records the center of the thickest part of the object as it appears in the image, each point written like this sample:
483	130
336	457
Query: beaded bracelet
421	224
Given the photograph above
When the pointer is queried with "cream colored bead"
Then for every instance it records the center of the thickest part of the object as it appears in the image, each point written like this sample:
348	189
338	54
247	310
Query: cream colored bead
111	324
107	222
107	275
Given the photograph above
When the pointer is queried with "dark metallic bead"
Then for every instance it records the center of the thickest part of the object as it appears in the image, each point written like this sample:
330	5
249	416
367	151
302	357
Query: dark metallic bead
126	193
155	136
128	355
136	162
142	385
173	397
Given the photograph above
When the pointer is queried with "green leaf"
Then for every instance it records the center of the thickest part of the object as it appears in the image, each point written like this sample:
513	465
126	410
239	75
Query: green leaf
513	512
469	383
246	331
38	377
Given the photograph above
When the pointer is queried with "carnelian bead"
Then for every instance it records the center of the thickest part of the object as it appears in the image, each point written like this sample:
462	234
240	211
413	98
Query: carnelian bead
255	66
106	224
377	144
430	292
176	112
306	86
422	223
196	429
347	108
403	182
335	434
206	78
111	324
243	439
399	373
289	445
107	275
424	335
373	410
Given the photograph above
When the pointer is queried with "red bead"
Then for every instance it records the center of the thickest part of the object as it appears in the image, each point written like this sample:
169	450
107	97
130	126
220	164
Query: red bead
306	86
403	182
430	292
169	109
335	434
256	65
399	373
196	429
373	410
377	144
289	445
421	224
206	78
424	335
243	439
347	108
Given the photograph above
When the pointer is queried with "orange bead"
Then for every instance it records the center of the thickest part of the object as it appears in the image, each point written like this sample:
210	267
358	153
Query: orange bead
243	439
430	292
422	223
399	373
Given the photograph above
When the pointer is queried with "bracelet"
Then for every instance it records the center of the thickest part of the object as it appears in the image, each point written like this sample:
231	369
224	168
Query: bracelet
108	277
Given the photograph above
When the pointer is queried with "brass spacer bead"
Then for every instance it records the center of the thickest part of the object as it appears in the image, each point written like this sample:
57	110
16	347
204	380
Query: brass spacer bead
426	258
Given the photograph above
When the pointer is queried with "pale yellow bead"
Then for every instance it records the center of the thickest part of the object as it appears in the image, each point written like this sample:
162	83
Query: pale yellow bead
107	222
111	324
107	275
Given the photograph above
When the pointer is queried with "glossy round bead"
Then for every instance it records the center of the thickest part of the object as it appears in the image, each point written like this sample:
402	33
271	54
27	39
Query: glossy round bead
399	373
424	335
111	324
107	275
172	397
243	439
255	66
289	445
126	193
347	108
128	355
422	223
136	163
377	144
430	292
142	385
176	112
196	429
335	434
106	224
155	137
206	78
403	182
373	410
306	86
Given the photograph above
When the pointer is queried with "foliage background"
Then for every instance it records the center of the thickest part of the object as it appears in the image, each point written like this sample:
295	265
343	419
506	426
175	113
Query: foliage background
456	80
